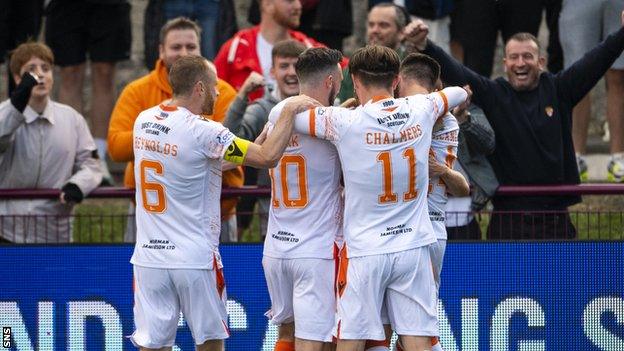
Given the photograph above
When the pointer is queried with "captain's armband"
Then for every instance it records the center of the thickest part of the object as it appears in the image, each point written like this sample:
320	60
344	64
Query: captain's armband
237	151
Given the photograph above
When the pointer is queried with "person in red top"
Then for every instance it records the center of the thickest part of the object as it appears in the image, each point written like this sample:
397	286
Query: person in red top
249	50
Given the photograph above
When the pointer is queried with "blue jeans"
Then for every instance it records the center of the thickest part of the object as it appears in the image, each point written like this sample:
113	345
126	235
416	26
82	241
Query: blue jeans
204	12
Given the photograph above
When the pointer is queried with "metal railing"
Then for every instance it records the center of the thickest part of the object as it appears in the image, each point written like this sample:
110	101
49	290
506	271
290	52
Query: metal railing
107	217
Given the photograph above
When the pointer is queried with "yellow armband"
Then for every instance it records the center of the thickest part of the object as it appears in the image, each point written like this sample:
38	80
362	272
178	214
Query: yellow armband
237	151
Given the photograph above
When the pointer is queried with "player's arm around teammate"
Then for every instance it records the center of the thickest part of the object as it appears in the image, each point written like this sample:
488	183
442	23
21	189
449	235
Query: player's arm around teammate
269	153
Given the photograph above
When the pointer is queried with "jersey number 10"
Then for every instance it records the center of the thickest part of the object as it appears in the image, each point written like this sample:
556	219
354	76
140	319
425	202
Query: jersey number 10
302	183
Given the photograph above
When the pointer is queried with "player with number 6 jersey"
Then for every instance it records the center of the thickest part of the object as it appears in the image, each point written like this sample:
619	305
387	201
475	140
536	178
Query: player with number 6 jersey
178	165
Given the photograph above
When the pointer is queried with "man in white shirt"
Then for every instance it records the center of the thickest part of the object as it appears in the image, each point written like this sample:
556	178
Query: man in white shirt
305	218
177	266
383	147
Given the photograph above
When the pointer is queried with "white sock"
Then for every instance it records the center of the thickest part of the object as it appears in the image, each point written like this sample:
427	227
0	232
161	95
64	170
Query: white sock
102	147
378	348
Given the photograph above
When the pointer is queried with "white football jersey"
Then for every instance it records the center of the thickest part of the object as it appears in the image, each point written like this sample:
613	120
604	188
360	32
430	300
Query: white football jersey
178	186
306	211
444	149
383	148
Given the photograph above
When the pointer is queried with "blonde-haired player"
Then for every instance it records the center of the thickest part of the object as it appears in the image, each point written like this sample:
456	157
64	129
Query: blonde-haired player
179	156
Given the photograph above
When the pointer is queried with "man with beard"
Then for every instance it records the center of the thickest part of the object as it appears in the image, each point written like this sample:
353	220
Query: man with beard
179	37
248	121
531	114
305	220
179	154
384	26
250	49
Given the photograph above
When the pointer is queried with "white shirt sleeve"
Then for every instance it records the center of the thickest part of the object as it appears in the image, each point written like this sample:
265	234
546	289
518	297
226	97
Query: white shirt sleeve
213	137
440	102
327	123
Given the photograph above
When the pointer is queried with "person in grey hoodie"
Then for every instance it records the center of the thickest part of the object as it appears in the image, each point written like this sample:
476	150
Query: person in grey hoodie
247	120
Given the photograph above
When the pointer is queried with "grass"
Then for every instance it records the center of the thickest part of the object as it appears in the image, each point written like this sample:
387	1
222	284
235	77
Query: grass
104	221
100	221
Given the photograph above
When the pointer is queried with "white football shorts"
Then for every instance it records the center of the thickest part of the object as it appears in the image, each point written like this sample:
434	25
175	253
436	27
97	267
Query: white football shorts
302	290
436	251
159	296
402	283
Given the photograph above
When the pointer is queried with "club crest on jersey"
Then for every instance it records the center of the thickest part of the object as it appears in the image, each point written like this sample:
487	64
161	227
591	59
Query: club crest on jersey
549	111
163	115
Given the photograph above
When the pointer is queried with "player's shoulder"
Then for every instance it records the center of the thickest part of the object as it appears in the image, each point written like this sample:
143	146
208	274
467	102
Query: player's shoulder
446	128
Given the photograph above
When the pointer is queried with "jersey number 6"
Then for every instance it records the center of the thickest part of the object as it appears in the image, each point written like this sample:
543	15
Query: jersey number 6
161	203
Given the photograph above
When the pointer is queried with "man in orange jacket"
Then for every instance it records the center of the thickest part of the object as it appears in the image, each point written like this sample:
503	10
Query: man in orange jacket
249	50
178	38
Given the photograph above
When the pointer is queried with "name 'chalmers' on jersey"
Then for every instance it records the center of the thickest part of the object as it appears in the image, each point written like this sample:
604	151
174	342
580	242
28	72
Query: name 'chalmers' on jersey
384	149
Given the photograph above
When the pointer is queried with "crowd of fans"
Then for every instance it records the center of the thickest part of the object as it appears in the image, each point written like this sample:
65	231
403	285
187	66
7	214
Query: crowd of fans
520	131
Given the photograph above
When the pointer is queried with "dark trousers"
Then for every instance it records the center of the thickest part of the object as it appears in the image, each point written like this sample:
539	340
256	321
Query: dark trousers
479	21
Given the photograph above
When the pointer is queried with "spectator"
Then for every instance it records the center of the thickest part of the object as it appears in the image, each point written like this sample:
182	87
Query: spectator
217	20
583	24
43	144
479	22
476	141
178	38
101	29
328	21
384	26
531	114
247	121
20	20
435	14
250	49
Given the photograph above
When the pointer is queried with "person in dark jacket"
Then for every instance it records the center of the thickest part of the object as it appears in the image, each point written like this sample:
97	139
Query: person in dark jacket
531	114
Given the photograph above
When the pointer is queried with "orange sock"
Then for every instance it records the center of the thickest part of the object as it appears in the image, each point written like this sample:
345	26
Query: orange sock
284	346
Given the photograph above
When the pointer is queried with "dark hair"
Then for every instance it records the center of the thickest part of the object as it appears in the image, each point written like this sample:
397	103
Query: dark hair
401	17
316	60
24	52
375	65
422	69
179	23
186	72
287	48
524	36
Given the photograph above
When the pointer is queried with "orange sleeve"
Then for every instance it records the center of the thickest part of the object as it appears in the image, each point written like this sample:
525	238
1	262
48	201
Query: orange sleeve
121	124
